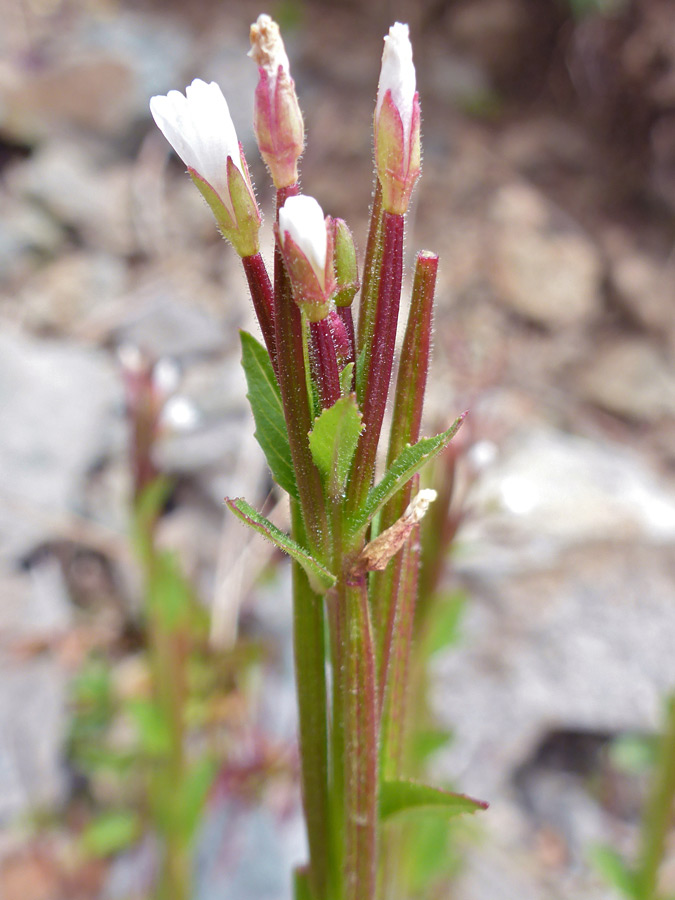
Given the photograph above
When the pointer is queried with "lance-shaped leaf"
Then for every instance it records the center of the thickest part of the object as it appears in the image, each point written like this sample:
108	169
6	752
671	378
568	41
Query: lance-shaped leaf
615	871
265	399
408	796
333	440
319	577
407	464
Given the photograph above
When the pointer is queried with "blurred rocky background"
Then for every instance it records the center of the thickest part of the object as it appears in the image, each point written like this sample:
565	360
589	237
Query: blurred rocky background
549	192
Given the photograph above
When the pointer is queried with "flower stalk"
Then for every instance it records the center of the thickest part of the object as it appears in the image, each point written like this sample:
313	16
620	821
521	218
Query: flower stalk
319	397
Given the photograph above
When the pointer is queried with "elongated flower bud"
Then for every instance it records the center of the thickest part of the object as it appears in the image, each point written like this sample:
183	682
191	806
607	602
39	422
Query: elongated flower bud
277	121
199	128
397	122
346	265
306	242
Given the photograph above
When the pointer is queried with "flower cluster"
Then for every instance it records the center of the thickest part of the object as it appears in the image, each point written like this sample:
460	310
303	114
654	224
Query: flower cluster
319	390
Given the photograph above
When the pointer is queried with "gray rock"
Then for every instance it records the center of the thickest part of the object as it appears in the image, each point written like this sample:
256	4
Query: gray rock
251	849
631	378
27	235
59	415
62	296
162	324
66	178
549	491
544	268
32	694
645	286
569	565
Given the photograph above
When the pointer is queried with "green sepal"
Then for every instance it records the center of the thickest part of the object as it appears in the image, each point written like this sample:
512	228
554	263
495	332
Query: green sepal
409	796
333	441
268	413
614	870
407	463
319	577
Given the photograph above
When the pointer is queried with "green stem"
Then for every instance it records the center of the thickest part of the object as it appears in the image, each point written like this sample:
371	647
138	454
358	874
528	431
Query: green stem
361	746
388	592
372	268
659	811
310	675
395	713
168	650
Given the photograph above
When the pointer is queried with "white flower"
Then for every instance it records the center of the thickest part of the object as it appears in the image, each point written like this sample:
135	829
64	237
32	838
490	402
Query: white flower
302	219
200	129
398	74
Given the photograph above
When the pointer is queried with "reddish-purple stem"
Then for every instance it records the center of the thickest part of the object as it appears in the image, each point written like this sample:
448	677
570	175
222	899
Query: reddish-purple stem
293	384
388	587
345	314
381	358
323	361
263	300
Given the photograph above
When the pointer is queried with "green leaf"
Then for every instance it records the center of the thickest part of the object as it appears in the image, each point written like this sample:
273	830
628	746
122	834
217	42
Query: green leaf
409	796
170	594
346	377
333	440
268	413
614	870
320	578
445	621
111	832
634	753
406	464
424	743
430	854
154	733
147	509
192	794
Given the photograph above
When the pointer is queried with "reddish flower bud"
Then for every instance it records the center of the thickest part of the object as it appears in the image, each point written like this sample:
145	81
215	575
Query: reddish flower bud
277	121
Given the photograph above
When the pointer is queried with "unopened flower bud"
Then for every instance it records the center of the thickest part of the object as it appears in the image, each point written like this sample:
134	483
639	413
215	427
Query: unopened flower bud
306	242
199	128
346	266
277	120
341	338
397	122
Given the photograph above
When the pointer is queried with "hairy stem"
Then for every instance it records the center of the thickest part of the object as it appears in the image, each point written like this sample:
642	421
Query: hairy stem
310	678
383	345
262	296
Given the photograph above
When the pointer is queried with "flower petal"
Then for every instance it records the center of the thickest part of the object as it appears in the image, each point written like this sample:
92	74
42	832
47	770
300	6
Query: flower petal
303	219
398	74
